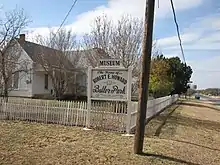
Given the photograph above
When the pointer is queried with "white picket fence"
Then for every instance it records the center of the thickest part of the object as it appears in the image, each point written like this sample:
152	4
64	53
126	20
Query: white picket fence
112	116
154	106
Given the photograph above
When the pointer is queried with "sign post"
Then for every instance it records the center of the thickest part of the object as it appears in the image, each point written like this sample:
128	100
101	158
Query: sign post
128	126
89	97
109	81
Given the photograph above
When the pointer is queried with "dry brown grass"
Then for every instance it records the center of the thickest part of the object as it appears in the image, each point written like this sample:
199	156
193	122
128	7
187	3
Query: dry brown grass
180	138
191	131
34	143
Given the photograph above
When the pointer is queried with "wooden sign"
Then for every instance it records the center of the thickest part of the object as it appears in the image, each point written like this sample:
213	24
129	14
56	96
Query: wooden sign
109	84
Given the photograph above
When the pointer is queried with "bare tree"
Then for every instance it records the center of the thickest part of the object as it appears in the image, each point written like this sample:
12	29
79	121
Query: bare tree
96	43
58	59
121	40
155	50
11	63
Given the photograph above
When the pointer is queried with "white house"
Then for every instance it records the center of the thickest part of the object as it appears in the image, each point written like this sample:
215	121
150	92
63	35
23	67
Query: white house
36	82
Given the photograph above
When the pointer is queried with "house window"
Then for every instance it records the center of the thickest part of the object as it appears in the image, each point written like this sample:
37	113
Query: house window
46	81
15	80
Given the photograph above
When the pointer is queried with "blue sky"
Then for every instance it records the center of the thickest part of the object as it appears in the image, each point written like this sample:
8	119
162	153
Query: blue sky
51	12
199	22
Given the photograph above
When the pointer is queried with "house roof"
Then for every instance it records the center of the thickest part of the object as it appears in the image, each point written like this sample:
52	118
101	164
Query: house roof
49	55
82	56
75	60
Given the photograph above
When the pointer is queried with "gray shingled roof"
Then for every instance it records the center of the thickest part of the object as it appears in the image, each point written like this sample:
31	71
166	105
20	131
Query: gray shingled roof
83	61
51	55
71	59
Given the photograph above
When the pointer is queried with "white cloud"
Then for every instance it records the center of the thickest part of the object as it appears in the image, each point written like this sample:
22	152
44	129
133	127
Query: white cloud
212	21
32	33
206	72
211	38
165	8
173	40
201	35
216	24
192	42
116	8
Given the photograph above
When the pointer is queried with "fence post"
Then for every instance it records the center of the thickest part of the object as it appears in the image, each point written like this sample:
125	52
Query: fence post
89	86
5	109
46	110
128	122
67	113
172	99
77	112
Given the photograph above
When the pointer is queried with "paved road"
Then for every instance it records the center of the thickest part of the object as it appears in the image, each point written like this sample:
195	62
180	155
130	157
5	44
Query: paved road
215	101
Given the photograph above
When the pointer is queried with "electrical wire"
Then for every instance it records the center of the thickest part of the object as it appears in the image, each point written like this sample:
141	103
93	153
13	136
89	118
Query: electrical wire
62	23
74	3
178	31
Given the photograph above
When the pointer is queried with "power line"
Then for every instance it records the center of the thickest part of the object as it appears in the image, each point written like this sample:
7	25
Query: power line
74	3
62	23
177	29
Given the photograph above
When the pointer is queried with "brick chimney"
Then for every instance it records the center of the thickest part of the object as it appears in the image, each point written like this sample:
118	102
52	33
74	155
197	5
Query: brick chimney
22	38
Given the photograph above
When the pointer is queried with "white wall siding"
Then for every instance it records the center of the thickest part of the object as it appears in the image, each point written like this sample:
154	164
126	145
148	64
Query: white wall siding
38	84
24	89
22	82
81	80
20	93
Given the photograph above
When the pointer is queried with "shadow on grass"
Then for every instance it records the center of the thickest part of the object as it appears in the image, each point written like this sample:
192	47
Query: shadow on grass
200	105
159	156
161	122
172	118
158	131
193	123
198	145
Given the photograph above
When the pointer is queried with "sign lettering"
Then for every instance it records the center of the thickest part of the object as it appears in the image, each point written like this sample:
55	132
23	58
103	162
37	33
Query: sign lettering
110	63
109	84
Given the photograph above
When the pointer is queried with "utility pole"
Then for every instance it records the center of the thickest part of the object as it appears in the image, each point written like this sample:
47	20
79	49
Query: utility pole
144	77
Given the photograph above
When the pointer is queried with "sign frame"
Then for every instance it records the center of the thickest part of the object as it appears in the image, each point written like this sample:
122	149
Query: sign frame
126	70
127	99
